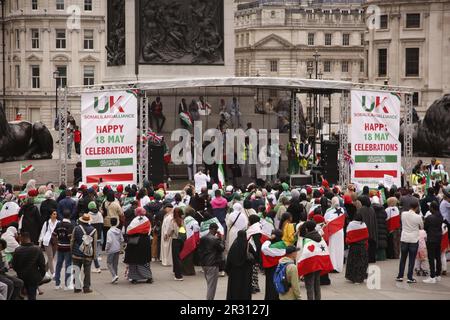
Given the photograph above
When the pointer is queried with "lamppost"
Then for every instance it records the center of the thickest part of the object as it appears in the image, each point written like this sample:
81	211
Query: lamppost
3	53
316	56
319	105
56	77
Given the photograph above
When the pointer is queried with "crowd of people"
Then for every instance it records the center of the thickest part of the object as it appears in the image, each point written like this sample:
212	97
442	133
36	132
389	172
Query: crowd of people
237	231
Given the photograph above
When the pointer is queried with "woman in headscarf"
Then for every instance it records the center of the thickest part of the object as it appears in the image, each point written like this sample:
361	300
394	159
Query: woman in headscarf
254	233
382	232
176	231
272	250
138	250
357	260
393	225
48	206
280	208
30	218
166	243
236	221
239	266
10	236
288	229
248	209
192	228
369	217
336	239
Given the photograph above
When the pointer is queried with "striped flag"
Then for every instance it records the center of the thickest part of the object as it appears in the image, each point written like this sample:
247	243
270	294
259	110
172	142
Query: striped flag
9	213
139	225
192	237
204	227
26	169
110	170
382	195
375	166
393	219
221	175
334	225
271	253
356	232
315	257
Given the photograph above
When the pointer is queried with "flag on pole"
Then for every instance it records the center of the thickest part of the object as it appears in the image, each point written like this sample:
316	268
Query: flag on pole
221	175
192	237
356	232
26	169
393	219
315	257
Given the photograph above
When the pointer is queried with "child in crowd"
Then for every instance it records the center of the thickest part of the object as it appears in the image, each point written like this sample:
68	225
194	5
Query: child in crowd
114	240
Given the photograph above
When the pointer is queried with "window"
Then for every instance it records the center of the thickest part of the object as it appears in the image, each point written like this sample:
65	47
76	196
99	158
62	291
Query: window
310	39
87	5
382	62
273	65
412	62
272	14
89	76
413	20
17	69
89	39
247	39
328	39
346	39
344	66
59	4
361	66
62	78
237	68
327	66
35	77
60	39
237	40
34	4
384	21
415	99
35	38
17	33
362	39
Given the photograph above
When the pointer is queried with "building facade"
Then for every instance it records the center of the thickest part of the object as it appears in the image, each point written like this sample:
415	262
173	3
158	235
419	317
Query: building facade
44	36
285	38
411	47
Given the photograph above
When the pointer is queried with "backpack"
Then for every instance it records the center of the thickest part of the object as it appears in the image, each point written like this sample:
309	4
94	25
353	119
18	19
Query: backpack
86	246
280	279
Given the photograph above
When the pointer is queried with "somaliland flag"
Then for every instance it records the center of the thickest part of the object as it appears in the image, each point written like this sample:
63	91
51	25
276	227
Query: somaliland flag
333	226
393	219
139	225
315	257
25	169
271	253
192	237
356	232
444	241
204	227
9	213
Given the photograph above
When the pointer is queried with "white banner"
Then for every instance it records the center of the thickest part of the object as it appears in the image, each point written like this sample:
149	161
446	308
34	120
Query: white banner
108	137
375	130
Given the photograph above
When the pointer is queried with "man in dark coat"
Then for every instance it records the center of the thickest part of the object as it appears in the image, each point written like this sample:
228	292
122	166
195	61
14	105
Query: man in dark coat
47	207
369	217
29	263
67	204
31	218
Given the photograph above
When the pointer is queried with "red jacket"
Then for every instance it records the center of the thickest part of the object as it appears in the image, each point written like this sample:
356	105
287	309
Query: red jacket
77	136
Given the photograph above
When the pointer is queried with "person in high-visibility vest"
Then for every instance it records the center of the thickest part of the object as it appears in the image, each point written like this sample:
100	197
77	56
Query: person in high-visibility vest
305	153
293	151
247	156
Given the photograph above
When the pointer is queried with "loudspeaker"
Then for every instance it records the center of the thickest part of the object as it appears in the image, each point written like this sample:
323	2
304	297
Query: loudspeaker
330	170
300	180
156	164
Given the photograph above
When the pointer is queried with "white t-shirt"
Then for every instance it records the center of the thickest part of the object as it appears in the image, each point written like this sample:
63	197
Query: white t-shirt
201	180
411	224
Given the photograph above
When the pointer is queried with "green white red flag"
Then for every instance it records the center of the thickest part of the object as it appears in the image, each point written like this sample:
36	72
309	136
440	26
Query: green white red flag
26	169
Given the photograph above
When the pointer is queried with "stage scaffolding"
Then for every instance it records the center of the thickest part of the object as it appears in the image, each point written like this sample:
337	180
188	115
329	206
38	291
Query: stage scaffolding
294	85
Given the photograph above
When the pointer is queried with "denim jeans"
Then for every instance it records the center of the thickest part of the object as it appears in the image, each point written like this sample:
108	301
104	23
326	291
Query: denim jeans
408	250
66	258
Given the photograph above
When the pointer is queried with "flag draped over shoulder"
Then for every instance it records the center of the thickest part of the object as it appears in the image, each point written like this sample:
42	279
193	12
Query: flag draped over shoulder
139	225
356	231
192	237
204	227
315	257
444	241
392	219
333	226
9	213
271	253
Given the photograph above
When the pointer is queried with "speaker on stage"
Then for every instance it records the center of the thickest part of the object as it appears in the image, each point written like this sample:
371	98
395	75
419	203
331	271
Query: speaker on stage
156	164
330	150
300	180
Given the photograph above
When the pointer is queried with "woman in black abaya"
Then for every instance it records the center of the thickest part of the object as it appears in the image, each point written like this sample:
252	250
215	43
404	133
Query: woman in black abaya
239	267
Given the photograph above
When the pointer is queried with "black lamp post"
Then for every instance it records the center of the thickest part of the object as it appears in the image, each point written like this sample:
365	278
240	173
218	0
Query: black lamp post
56	77
3	54
316	56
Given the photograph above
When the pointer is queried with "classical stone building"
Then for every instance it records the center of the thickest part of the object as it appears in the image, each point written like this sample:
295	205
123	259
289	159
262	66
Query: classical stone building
280	38
411	47
44	36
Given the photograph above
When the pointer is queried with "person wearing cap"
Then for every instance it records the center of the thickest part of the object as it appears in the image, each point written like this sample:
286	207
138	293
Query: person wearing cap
97	223
210	250
31	219
79	259
291	274
63	233
48	206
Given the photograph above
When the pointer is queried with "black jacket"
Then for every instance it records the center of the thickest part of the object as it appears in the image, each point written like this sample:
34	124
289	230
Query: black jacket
29	263
63	232
47	207
31	222
139	253
210	251
370	219
433	227
424	207
313	235
298	211
381	226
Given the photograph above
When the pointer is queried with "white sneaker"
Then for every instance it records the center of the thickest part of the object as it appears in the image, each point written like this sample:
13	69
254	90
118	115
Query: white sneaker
57	287
222	274
430	280
96	270
69	288
115	279
180	279
438	278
